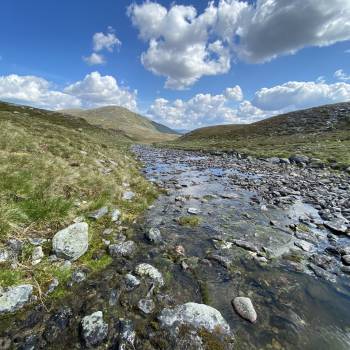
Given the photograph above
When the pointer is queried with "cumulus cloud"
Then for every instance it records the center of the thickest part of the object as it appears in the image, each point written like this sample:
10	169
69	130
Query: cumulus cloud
235	93
34	91
97	90
106	41
296	95
341	75
94	59
93	91
183	45
102	41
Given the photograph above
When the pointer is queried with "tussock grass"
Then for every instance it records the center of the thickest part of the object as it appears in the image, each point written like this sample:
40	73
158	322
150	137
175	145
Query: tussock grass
54	168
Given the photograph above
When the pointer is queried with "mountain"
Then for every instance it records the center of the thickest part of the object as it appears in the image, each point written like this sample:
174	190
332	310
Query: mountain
135	126
321	132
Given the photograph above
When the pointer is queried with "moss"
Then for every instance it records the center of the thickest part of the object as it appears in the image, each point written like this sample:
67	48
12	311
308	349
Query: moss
189	221
204	290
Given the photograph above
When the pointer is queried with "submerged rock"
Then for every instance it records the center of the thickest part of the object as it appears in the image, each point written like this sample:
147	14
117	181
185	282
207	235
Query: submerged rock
147	270
14	298
94	329
72	242
193	211
245	308
337	226
199	316
154	235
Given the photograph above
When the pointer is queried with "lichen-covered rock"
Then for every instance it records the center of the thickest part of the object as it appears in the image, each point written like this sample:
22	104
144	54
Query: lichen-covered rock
147	270
131	281
146	305
14	298
94	329
245	308
99	213
72	242
198	316
127	335
154	235
124	249
37	255
115	215
128	195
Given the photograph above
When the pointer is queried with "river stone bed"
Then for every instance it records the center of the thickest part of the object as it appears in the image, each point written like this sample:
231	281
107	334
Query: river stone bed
265	266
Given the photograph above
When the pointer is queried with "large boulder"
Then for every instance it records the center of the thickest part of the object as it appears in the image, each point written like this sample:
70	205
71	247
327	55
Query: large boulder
198	316
72	242
94	329
14	298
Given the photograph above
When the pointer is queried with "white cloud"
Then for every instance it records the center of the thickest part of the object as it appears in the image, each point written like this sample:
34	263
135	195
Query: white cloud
34	91
179	44
94	59
183	45
296	95
93	91
106	41
235	93
341	75
96	91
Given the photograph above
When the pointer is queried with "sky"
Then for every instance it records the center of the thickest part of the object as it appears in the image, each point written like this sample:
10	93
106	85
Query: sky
186	64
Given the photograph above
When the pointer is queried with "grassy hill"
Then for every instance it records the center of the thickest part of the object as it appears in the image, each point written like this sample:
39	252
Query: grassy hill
54	168
322	132
135	126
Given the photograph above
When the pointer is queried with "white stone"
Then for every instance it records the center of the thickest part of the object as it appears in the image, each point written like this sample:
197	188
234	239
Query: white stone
245	308
95	330
15	298
147	270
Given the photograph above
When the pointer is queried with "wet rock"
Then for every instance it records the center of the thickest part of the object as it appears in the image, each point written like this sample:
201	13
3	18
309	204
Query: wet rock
193	211
37	255
319	272
72	242
346	269
115	215
305	246
147	270
131	281
244	307
127	335
180	250
222	260
99	213
321	261
198	316
57	324
346	259
337	226
14	298
94	329
124	249
146	305
128	195
345	250
154	235
245	245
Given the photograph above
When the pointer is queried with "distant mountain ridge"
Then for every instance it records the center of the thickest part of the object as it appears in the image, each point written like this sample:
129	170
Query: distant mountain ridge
135	126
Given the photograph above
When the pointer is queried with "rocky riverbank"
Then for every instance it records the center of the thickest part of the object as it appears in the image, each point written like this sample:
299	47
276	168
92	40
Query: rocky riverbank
237	253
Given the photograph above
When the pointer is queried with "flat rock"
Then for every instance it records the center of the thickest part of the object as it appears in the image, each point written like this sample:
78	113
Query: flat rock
94	329
72	242
305	246
246	245
147	270
125	249
128	195
14	298
337	226
193	211
346	259
198	316
99	213
244	307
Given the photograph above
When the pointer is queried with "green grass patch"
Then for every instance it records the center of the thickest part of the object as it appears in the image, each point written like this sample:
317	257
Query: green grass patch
189	221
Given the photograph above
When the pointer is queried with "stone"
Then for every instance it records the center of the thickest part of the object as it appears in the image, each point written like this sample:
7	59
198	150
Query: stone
53	285
198	316
72	242
127	334
14	298
78	276
299	159
337	226
305	246
124	249
37	255
246	245
345	250
94	329
146	305
244	307
154	235
346	259
4	255
193	211
147	270
115	215
57	324
131	281
99	213
128	195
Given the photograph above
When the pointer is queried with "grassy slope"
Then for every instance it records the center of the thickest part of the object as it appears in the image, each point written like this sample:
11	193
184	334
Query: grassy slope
52	170
322	132
134	125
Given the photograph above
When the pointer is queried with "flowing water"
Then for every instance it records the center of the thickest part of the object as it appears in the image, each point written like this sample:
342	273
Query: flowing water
296	309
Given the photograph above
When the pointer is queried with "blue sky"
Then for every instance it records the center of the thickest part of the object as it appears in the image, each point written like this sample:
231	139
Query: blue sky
48	40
